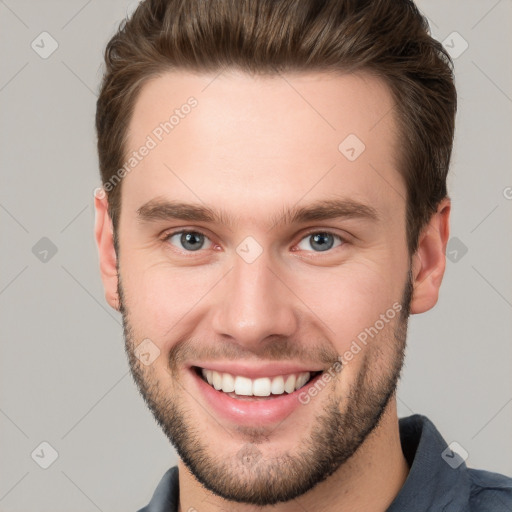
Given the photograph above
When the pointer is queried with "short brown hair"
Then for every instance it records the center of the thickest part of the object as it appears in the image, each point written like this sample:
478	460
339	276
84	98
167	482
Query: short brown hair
389	38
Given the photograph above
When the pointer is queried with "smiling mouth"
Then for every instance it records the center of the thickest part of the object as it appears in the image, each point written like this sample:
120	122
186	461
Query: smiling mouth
244	388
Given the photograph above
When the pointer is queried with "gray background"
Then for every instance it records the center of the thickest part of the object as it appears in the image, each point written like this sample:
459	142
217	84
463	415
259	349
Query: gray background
64	377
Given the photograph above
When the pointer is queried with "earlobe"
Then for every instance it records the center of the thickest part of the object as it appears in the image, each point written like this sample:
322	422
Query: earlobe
429	260
104	236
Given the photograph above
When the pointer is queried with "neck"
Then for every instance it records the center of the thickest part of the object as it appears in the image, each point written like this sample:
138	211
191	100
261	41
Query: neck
368	481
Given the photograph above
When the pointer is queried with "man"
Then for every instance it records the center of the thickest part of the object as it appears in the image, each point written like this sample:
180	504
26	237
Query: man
274	207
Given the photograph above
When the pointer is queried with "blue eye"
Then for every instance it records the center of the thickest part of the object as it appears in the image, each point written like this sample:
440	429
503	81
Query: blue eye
193	241
321	241
189	240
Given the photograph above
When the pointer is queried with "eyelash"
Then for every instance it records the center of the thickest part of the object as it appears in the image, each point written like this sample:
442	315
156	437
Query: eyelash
167	236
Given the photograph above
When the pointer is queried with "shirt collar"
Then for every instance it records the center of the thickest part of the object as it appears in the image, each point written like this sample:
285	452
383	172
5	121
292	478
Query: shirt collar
437	477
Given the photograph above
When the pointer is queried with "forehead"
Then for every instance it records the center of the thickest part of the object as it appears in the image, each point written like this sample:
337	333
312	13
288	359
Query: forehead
262	141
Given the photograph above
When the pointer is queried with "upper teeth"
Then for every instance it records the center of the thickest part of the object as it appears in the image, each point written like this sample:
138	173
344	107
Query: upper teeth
263	386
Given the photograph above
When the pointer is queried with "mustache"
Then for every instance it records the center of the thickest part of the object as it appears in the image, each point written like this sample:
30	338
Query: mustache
277	349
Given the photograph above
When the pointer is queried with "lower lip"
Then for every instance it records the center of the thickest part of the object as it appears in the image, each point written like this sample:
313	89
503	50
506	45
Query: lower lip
252	412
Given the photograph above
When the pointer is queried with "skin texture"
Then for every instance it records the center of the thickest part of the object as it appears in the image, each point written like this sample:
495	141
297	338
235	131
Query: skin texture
254	147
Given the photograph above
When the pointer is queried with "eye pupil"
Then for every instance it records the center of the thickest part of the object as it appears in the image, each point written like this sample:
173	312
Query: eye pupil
320	239
192	241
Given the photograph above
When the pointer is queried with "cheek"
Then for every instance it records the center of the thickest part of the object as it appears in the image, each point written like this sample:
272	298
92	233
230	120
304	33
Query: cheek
350	300
163	301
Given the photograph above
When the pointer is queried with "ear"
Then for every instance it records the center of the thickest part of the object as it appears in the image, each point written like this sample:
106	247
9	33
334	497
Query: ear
429	260
104	234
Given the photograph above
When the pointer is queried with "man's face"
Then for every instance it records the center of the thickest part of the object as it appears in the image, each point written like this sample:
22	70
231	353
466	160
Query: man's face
259	293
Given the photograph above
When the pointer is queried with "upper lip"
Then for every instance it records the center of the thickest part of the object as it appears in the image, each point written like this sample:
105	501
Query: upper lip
253	371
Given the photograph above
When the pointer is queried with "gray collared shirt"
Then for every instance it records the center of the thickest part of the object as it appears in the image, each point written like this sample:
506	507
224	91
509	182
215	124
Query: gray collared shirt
438	480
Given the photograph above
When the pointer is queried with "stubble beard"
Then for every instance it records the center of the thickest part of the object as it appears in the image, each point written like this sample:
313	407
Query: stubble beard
250	477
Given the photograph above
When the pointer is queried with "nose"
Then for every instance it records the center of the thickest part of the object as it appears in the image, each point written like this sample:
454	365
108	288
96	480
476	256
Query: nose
254	304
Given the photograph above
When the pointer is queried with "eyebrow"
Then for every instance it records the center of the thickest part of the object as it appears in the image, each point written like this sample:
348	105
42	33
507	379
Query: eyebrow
163	209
